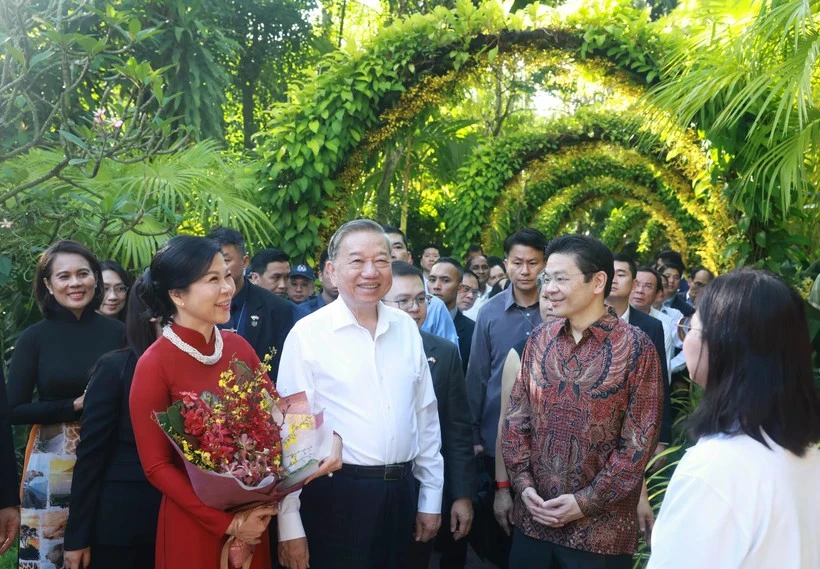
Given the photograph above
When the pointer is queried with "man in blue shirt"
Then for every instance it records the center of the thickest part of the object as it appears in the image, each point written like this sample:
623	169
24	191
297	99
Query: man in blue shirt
505	320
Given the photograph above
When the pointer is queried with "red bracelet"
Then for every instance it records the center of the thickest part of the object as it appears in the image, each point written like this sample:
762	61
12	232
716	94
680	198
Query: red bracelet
502	484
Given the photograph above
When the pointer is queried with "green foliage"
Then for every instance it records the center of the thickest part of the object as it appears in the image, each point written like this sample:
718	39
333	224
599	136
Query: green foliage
329	115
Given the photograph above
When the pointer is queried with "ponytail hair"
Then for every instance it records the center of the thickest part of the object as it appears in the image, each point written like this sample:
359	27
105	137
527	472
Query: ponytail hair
180	262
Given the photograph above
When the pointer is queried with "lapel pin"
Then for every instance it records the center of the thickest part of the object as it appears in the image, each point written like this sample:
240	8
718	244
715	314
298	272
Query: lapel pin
254	320
431	360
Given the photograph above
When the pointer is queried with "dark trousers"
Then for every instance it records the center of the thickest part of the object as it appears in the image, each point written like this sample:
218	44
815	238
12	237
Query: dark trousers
453	553
530	553
487	538
112	557
359	523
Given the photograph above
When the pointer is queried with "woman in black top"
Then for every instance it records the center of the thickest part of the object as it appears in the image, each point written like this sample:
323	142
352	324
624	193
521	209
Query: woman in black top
53	358
113	520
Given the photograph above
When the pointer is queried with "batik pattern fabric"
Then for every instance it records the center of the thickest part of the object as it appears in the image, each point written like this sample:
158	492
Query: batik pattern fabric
584	419
46	492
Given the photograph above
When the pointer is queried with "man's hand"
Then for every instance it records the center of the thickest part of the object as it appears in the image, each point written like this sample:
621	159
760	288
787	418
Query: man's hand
537	509
294	554
426	526
9	526
461	518
478	450
78	559
332	463
646	517
502	508
564	508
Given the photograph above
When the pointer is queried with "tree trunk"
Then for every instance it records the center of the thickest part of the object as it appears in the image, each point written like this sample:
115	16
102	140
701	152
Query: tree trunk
392	159
248	125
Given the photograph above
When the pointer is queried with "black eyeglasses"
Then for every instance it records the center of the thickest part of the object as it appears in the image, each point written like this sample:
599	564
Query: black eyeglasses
119	290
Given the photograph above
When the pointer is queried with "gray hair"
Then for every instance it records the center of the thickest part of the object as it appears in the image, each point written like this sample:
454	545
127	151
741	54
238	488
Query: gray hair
355	226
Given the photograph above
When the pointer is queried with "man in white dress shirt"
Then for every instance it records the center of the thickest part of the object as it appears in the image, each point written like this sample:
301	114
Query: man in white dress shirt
363	363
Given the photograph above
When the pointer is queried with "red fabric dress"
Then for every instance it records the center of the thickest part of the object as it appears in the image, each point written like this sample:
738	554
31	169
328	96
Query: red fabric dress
189	533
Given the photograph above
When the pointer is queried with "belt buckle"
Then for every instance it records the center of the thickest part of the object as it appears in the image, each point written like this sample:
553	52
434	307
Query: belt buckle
392	472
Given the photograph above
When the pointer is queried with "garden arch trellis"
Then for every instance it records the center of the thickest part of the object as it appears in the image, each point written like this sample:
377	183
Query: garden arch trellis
315	153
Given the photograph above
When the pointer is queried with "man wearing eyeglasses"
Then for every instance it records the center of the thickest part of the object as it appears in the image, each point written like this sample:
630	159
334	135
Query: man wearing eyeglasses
408	294
445	281
582	421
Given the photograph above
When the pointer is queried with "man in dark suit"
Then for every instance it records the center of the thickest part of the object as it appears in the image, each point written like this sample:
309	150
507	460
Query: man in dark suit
9	488
444	282
456	435
625	272
258	315
671	270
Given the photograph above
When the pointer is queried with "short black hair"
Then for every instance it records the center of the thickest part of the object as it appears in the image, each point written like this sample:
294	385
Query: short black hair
528	237
624	258
698	268
671	259
430	246
759	377
451	261
227	236
656	274
469	273
396	230
590	255
494	261
472	250
405	269
261	260
323	257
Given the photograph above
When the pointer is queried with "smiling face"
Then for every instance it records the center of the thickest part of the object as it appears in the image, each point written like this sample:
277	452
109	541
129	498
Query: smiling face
361	270
568	291
115	293
523	265
72	282
207	300
444	282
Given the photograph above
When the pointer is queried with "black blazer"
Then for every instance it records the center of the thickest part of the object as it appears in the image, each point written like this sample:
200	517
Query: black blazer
679	303
653	328
268	323
464	329
112	503
9	488
453	414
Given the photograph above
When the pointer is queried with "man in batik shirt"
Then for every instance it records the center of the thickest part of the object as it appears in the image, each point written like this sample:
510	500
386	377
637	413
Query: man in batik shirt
582	421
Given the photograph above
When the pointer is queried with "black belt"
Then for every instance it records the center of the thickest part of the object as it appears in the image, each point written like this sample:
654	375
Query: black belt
389	472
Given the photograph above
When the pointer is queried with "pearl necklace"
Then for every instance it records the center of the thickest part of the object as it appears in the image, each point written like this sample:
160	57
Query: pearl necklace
192	351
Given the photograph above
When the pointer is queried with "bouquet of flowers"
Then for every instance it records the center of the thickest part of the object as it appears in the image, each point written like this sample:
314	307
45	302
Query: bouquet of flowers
244	445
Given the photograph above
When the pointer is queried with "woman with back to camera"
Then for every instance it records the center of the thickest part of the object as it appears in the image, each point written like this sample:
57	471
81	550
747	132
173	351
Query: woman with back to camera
116	282
113	512
745	496
188	289
53	358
